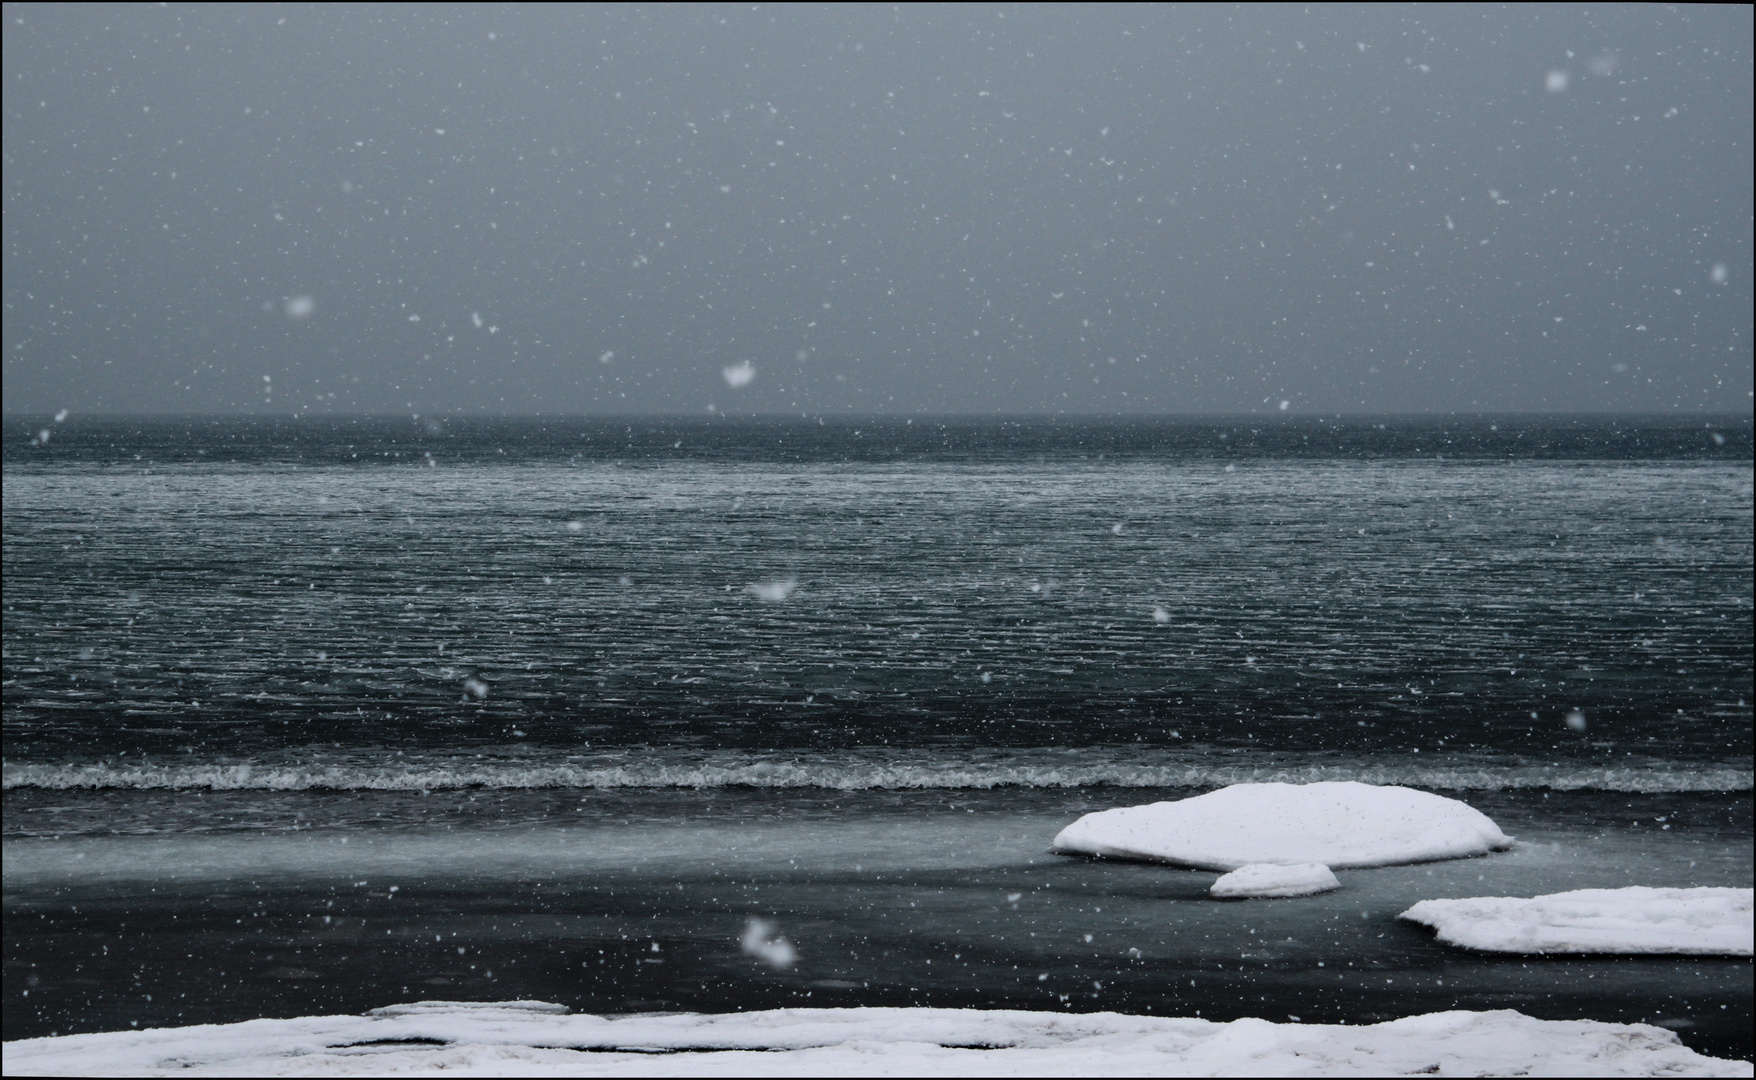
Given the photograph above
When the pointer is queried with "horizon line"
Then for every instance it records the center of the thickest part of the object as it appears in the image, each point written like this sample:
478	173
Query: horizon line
1276	414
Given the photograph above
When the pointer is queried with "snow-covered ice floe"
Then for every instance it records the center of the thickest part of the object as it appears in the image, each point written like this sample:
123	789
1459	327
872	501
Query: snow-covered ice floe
533	1038
1637	919
1341	824
1267	880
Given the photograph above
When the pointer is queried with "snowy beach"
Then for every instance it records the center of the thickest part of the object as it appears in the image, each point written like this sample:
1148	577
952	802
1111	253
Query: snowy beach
539	1039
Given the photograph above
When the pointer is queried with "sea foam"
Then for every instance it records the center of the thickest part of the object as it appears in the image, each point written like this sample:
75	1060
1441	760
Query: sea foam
1100	767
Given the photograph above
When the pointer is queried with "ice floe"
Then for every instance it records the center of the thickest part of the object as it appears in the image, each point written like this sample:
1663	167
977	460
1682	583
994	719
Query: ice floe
1637	919
534	1038
1341	824
1267	880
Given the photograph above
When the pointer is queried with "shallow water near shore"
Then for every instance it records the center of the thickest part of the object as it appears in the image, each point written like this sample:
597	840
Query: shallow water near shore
619	901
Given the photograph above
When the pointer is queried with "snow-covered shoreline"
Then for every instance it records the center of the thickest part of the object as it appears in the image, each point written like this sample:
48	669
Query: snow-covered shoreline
1635	919
535	1038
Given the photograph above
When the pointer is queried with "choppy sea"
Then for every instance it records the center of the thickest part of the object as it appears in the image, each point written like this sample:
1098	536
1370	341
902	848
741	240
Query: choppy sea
593	693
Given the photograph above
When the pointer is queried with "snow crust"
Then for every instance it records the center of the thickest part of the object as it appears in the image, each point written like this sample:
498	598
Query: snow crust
1341	824
1267	880
534	1038
1637	919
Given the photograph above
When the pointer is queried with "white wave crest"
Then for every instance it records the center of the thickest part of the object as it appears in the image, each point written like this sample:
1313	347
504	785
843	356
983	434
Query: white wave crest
856	774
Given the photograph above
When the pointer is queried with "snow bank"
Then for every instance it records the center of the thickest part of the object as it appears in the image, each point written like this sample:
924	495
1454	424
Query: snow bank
531	1038
1265	880
1341	824
1708	922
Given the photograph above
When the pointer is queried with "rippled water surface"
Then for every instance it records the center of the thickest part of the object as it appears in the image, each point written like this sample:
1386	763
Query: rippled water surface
624	616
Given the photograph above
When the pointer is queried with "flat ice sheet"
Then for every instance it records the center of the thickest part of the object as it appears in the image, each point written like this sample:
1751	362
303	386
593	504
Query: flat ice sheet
1264	881
1637	919
531	1038
1342	824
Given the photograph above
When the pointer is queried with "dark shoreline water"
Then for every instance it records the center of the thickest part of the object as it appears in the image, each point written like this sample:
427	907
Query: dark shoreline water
616	902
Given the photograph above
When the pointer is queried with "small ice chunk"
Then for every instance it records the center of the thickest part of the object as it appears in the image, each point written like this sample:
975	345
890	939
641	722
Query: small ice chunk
1263	880
773	591
1343	824
1160	615
739	374
1637	919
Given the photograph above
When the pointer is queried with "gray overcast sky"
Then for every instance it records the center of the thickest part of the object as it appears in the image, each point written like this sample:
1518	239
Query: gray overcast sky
952	209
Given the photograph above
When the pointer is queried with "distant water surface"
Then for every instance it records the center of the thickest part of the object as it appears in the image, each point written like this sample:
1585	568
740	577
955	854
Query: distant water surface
204	602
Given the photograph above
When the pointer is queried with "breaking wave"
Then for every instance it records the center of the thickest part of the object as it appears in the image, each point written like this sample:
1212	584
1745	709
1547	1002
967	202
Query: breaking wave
849	773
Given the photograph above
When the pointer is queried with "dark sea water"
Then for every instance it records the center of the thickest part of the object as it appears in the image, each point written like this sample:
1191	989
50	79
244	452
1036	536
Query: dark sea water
580	689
